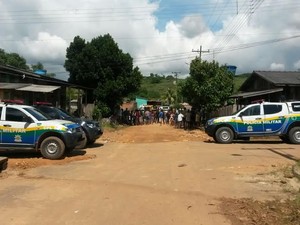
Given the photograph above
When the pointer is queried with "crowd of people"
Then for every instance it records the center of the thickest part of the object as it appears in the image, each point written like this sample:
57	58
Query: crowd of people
179	118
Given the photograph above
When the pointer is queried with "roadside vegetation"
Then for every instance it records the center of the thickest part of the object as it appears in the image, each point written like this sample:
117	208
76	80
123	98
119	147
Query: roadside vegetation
105	69
154	86
18	61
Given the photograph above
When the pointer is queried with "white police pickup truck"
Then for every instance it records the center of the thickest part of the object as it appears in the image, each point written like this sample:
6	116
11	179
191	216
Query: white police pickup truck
261	119
24	127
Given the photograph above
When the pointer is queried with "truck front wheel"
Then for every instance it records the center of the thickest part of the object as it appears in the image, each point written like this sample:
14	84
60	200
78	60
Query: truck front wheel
294	135
82	144
224	135
52	148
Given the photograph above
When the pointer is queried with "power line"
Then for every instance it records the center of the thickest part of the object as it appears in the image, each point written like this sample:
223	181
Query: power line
222	50
124	14
242	20
255	44
170	57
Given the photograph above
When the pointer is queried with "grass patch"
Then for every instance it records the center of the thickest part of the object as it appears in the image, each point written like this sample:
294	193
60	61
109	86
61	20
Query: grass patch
111	126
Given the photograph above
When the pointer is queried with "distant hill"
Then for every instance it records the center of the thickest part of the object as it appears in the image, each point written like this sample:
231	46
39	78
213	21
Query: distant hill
239	80
155	87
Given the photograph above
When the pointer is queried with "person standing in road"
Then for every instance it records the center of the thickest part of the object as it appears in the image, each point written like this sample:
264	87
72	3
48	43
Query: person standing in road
183	118
161	116
179	119
188	120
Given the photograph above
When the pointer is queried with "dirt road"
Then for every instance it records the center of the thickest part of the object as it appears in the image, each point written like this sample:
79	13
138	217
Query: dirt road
152	175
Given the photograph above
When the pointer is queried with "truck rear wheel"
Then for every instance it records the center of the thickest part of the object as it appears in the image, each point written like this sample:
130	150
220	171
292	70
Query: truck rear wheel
294	135
52	148
224	135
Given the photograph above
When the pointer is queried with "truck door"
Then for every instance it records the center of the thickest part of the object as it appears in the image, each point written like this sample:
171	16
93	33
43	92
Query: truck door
16	129
250	120
274	118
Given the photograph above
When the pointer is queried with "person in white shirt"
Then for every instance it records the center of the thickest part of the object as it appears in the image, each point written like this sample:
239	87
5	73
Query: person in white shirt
179	119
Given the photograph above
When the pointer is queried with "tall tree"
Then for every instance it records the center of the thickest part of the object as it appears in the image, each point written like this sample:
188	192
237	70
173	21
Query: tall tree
13	59
40	66
169	96
209	85
101	65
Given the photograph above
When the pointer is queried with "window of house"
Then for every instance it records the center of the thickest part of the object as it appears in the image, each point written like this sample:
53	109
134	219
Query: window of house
272	109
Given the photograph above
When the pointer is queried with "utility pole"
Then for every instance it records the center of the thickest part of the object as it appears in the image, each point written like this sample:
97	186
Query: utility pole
200	51
176	75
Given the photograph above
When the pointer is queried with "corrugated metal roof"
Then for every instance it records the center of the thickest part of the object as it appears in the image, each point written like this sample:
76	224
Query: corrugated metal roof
38	88
256	93
5	69
28	87
280	77
7	86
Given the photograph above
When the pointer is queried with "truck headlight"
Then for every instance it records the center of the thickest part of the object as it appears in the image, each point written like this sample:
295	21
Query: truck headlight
90	125
210	122
71	130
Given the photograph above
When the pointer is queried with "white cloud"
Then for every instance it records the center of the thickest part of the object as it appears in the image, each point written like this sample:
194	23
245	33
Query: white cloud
277	67
42	30
297	65
192	26
45	47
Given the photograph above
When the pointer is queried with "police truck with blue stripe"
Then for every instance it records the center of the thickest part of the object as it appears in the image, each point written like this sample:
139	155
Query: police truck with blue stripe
256	120
25	127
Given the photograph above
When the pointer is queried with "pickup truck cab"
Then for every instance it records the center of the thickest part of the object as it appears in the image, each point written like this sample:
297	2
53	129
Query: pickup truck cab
261	119
24	127
91	128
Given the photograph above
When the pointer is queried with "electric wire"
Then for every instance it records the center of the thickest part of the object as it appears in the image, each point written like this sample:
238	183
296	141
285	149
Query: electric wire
119	14
221	46
234	29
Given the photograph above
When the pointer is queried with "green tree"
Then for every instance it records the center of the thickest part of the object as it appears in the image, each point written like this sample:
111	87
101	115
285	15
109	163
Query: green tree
101	65
40	66
169	96
155	78
209	85
13	59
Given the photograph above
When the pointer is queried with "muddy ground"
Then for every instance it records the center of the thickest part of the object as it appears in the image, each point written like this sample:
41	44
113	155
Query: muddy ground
238	211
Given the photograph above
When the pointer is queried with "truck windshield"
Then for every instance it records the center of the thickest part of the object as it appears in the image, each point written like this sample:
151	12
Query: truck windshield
64	114
235	113
38	114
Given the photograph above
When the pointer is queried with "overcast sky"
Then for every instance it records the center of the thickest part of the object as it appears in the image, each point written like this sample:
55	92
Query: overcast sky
161	36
